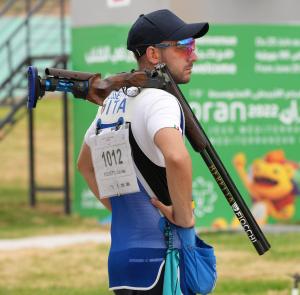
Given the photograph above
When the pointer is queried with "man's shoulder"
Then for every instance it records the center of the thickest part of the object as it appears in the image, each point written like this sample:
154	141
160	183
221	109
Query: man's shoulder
156	91
154	94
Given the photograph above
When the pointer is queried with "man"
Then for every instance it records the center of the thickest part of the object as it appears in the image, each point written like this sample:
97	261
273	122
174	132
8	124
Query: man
158	175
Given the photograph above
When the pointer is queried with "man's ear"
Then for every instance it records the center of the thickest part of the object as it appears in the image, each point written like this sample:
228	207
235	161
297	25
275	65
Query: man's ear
153	55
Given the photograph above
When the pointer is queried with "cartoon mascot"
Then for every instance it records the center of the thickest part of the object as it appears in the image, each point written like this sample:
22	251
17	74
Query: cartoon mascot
270	184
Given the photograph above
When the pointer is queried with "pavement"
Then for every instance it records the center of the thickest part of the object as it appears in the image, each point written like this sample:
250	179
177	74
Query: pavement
53	241
50	242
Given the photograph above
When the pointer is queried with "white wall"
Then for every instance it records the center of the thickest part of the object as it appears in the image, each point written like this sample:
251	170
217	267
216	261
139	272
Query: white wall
239	11
91	12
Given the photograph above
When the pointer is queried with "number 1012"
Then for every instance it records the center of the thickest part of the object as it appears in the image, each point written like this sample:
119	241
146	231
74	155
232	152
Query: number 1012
113	157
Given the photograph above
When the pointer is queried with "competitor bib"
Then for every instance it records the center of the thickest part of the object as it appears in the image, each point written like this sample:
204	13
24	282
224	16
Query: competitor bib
112	161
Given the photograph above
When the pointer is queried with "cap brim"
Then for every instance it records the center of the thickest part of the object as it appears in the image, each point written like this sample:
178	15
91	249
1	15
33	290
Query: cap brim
196	30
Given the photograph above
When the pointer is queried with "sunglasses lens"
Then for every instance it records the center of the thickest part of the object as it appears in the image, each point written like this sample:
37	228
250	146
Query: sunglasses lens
188	44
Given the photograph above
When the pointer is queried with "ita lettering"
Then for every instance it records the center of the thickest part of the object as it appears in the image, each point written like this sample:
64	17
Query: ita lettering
115	104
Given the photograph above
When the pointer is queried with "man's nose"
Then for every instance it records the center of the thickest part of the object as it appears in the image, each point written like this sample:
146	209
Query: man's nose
193	57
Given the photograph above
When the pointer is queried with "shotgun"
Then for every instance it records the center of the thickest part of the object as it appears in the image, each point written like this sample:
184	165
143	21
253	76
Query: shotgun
85	85
201	144
90	87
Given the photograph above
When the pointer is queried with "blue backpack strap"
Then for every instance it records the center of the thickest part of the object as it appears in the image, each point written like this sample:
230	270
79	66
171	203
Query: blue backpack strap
171	274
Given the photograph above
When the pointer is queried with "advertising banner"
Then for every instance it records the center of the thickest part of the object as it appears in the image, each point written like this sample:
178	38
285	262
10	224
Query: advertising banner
245	91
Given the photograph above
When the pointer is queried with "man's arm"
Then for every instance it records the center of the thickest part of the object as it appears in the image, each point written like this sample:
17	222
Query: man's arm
85	167
179	177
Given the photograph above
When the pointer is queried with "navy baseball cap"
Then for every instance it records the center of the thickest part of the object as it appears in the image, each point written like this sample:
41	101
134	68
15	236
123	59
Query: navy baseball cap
158	26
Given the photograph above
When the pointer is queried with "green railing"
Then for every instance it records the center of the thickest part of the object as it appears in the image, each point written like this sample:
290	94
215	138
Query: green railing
32	33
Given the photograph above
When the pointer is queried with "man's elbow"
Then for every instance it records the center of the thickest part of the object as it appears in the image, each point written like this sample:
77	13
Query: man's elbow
82	166
179	160
84	160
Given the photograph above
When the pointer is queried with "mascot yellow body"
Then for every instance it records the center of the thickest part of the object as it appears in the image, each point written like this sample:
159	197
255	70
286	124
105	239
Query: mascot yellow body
270	185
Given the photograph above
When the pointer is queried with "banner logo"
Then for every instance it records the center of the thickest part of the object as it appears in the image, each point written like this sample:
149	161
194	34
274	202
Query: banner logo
204	196
117	3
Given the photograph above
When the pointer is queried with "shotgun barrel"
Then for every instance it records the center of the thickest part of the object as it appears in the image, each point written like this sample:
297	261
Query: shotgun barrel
201	144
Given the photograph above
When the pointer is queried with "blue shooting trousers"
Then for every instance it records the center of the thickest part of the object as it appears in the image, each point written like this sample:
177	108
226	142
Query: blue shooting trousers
156	290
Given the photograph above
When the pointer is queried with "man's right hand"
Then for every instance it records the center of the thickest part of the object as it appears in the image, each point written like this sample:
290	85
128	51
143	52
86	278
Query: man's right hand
167	211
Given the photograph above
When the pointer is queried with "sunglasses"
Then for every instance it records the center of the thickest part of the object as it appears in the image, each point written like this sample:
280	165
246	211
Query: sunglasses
187	44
